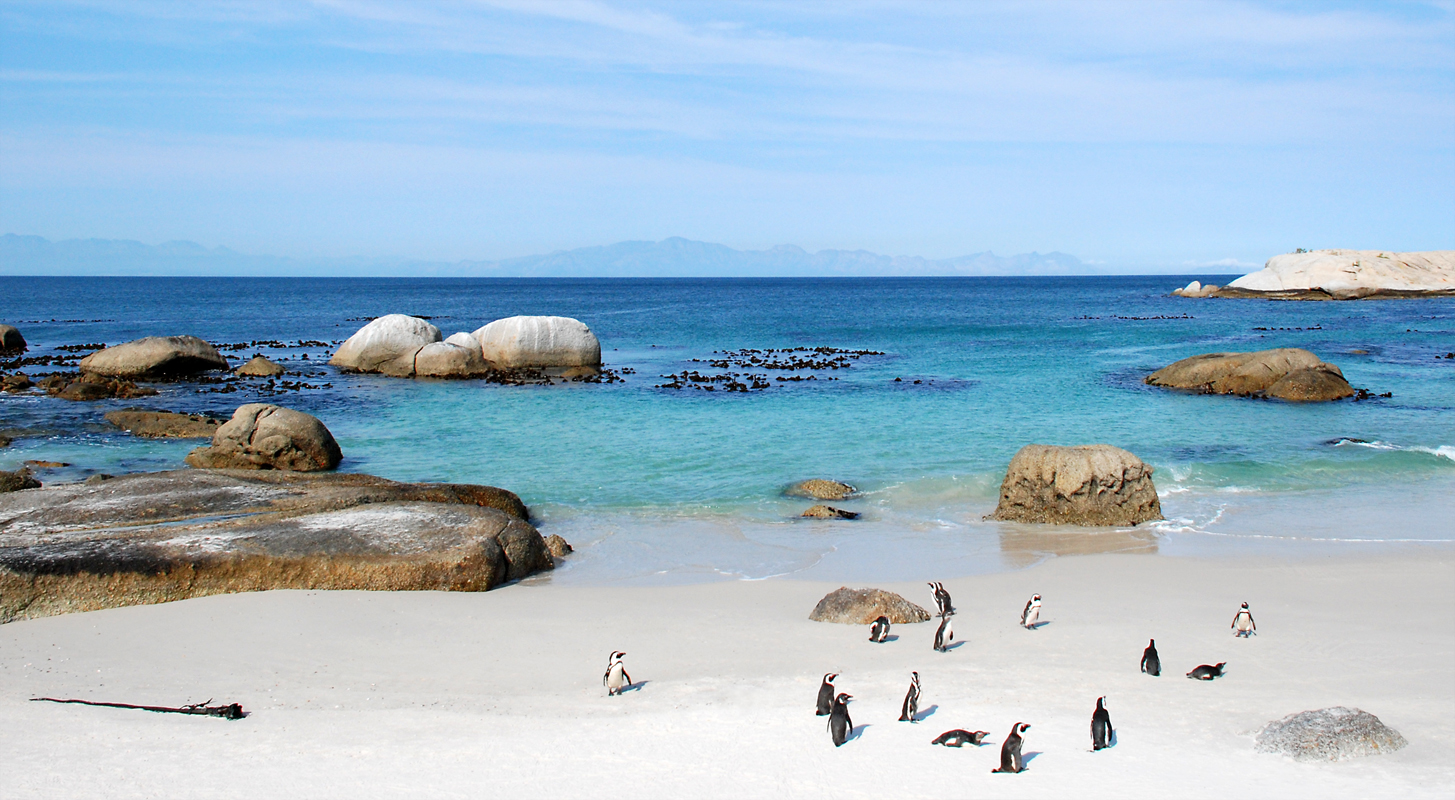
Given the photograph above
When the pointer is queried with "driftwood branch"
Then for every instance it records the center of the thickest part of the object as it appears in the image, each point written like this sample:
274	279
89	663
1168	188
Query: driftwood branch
230	711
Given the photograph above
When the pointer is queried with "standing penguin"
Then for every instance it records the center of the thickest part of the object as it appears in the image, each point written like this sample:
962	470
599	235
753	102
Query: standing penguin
616	677
911	700
840	726
826	695
879	630
944	634
1101	729
1151	664
1243	623
942	598
1032	613
1010	752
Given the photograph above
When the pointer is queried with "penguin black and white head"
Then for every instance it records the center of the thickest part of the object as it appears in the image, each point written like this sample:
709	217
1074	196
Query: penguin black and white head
825	704
911	700
616	678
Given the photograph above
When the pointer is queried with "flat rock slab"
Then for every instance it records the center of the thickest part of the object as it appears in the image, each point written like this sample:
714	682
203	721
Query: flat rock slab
863	606
820	489
164	424
1329	734
157	537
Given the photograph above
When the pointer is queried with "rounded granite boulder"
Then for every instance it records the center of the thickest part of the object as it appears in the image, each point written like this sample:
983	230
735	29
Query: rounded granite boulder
155	357
539	342
1328	734
260	367
262	436
1092	485
449	360
863	606
1287	373
387	345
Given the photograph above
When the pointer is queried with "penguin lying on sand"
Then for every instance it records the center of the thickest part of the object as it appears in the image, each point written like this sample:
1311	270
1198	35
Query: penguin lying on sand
1243	624
958	738
879	629
911	700
616	677
840	726
1101	730
1151	664
1207	672
1032	613
826	695
1010	752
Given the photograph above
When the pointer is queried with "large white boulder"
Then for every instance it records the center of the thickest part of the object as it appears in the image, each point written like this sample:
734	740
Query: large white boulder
388	345
155	356
1354	272
543	342
449	360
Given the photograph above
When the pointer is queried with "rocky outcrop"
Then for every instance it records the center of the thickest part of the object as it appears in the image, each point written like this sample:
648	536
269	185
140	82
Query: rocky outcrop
15	383
820	489
17	480
164	424
1329	734
1197	289
1286	374
539	342
11	342
1093	485
559	547
155	357
262	436
863	606
156	537
260	367
92	387
449	360
829	512
387	345
1349	275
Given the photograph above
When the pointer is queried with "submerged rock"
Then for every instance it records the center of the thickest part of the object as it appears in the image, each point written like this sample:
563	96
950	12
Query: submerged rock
820	489
558	546
1329	734
155	537
829	512
15	383
262	436
156	357
93	387
863	606
260	367
1093	485
539	342
164	424
1287	373
11	342
17	480
387	344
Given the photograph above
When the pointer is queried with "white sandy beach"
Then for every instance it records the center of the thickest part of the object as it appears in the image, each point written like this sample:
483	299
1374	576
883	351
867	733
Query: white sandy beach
356	694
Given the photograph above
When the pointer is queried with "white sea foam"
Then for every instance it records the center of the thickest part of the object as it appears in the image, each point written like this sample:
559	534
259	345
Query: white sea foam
1441	451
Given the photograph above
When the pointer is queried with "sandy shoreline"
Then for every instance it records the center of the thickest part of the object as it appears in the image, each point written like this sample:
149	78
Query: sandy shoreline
380	694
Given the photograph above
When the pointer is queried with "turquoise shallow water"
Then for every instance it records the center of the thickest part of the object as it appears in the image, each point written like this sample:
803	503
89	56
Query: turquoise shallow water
662	484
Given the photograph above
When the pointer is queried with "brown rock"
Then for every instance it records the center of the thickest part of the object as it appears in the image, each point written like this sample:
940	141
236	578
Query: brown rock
5	440
93	387
829	512
155	356
164	424
820	489
1255	374
1087	485
863	606
17	480
11	342
262	436
559	547
47	464
18	382
259	367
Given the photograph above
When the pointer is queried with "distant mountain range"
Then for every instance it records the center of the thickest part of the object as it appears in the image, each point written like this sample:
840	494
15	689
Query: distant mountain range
669	258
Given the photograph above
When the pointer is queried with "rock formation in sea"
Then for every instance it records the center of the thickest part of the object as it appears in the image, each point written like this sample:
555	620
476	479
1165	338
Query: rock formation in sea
449	359
164	424
19	479
1345	275
539	342
820	489
11	342
155	357
387	344
263	436
863	606
1329	734
86	546
558	546
829	512
1287	373
1092	485
90	386
260	367
1197	289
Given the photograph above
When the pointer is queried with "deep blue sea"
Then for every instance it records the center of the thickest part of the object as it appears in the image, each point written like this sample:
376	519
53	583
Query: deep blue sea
655	484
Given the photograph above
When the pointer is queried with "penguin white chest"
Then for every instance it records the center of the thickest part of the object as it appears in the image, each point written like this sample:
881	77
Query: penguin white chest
614	679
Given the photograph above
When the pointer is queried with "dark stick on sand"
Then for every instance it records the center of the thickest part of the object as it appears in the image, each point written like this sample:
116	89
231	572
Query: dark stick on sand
230	711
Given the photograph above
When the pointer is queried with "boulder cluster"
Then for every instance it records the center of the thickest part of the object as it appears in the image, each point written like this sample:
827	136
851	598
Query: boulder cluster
409	347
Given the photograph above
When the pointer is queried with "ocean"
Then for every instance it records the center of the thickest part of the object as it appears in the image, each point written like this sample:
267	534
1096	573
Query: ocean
662	485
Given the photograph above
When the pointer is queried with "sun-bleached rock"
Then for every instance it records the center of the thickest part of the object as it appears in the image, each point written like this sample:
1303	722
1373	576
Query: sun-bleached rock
1329	734
539	342
1197	289
1093	485
155	356
449	360
1286	373
1350	274
263	436
463	339
387	345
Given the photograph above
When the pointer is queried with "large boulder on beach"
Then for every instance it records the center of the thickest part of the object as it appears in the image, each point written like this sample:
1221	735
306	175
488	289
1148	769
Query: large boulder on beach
155	357
539	342
11	342
1287	373
387	344
1350	275
1329	734
263	436
150	538
260	367
863	606
449	360
820	489
1093	485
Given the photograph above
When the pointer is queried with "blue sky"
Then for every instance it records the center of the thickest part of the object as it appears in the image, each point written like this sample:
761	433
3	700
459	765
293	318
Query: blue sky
1136	134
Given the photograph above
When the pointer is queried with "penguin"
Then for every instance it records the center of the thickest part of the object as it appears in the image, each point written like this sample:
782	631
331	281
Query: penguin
942	598
616	677
1010	752
944	634
826	695
840	726
958	738
1032	613
879	629
1243	624
1101	730
911	700
1151	664
1207	672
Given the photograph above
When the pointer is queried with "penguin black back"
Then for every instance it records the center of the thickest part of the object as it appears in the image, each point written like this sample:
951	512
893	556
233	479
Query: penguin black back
1100	726
1010	751
879	630
840	725
826	695
1151	664
960	737
911	700
1207	672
